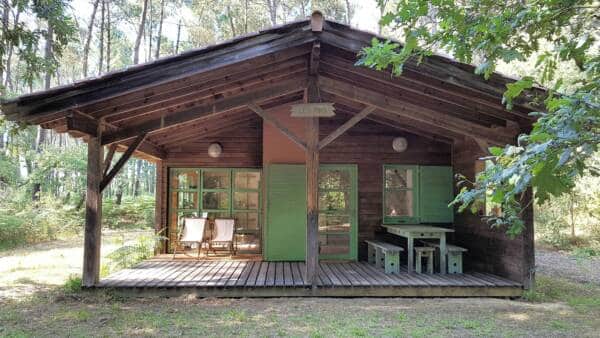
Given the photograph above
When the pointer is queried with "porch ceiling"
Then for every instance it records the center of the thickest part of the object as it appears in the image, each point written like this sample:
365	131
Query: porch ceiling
205	91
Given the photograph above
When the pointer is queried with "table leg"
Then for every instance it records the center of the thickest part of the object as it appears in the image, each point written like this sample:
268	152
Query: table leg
411	253
443	254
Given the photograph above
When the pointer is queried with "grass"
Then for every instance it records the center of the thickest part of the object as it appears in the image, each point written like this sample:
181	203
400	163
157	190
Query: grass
557	307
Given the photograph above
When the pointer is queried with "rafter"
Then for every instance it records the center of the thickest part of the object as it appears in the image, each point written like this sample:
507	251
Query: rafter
344	127
106	179
275	123
219	106
399	107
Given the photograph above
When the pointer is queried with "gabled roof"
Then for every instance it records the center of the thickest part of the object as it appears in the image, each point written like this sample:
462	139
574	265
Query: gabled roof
212	85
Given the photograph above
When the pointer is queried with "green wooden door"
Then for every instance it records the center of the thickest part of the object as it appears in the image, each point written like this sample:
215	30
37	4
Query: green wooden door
338	212
285	236
436	192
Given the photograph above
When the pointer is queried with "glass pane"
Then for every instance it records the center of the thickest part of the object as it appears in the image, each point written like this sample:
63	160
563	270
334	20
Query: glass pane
246	221
215	179
215	200
245	200
247	179
398	178
184	200
334	200
334	179
215	214
399	203
185	179
334	244
334	223
247	243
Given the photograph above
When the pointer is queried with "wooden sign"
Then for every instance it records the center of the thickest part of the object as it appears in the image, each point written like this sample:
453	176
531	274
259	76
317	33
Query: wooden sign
324	109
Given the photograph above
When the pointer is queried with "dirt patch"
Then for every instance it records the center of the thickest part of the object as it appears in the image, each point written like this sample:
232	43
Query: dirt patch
564	265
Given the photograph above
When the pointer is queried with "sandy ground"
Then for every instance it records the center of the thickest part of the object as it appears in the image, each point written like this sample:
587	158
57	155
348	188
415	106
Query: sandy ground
558	263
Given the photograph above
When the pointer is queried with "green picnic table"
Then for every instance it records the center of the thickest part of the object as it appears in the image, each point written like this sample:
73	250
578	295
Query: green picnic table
421	231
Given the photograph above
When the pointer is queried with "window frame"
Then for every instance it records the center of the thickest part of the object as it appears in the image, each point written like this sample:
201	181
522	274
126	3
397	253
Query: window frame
415	195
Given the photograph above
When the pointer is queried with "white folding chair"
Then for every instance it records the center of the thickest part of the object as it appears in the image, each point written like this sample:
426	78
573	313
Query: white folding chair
224	235
193	232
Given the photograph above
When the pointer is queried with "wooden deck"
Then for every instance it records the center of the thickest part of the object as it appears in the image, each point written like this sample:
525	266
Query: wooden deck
211	278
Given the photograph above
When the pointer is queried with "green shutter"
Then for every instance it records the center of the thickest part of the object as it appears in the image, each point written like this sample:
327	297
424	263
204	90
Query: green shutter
436	191
285	237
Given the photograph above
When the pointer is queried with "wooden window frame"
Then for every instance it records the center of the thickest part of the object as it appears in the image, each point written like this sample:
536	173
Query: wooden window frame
415	192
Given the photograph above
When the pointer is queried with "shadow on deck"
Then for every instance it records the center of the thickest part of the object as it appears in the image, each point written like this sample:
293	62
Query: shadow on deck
252	278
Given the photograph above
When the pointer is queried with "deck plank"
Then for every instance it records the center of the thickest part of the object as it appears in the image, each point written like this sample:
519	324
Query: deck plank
288	277
237	275
262	274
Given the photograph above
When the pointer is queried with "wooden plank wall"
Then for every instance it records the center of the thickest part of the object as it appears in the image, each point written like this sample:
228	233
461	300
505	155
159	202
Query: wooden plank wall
369	145
490	250
242	148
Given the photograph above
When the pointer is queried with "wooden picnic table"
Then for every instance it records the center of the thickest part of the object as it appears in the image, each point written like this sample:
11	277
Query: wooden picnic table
422	231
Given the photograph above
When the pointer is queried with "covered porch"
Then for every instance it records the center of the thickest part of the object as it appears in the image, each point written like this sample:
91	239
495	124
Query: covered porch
306	193
256	278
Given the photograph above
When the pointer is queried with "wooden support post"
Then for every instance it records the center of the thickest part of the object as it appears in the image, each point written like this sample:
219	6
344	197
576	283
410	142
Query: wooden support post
312	187
93	214
159	227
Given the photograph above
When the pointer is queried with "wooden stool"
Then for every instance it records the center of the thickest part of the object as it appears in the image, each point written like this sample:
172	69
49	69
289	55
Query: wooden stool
424	252
455	256
384	255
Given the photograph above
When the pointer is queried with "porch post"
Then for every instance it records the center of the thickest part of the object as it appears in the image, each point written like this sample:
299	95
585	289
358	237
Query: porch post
312	178
93	214
159	196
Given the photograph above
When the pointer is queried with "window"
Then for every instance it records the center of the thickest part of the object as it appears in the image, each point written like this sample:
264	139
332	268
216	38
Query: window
217	192
400	194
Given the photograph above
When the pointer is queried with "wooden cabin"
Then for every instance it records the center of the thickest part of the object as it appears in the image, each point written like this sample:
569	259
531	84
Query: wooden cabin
305	192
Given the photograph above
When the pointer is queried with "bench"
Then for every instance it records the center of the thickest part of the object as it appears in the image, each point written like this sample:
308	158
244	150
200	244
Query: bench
384	255
424	252
455	262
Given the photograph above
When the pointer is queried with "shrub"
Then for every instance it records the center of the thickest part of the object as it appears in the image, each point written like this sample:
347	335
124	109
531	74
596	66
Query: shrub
131	254
73	284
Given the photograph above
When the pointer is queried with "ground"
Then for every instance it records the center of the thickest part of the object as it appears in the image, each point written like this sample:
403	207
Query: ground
35	302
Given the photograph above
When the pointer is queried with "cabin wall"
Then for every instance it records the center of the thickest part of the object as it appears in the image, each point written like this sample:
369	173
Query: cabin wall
490	250
242	148
369	146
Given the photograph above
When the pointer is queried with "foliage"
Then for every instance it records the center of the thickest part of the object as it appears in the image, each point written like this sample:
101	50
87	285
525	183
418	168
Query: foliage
73	284
132	213
25	40
130	254
555	153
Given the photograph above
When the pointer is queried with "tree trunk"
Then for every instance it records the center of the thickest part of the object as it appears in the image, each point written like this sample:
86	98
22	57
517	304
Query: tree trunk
348	12
178	36
160	25
138	171
108	36
5	14
119	194
88	40
572	212
231	24
101	43
140	33
149	53
272	7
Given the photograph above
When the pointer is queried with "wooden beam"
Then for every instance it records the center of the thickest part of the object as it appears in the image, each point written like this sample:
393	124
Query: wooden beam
121	162
218	106
316	22
275	123
315	56
312	198
483	145
93	214
82	124
399	107
344	127
108	159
